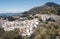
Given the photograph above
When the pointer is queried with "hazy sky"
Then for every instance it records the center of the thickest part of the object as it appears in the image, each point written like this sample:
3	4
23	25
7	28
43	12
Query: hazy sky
21	5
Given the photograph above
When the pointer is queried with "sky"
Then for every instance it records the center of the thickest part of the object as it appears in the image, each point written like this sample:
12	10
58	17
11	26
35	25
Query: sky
16	6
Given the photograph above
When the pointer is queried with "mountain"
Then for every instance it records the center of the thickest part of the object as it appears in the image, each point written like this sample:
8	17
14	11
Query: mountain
47	8
51	4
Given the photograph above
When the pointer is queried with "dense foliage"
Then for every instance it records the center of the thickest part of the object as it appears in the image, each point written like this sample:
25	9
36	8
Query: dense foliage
9	34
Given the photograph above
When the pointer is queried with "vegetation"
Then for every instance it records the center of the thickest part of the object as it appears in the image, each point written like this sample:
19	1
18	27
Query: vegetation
9	34
48	31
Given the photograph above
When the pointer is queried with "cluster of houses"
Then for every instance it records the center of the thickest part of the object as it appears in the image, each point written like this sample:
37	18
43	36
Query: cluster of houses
26	27
46	17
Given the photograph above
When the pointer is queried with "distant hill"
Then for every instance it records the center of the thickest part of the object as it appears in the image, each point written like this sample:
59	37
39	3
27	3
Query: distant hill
47	8
9	14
